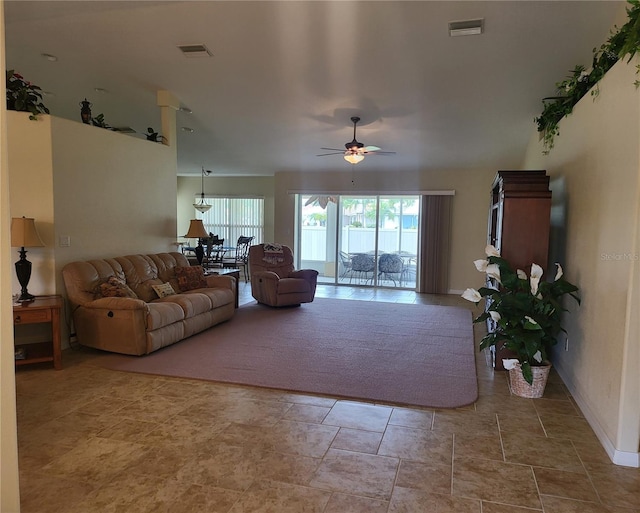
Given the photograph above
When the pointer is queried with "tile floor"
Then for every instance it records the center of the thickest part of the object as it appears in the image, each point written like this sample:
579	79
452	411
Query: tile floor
94	440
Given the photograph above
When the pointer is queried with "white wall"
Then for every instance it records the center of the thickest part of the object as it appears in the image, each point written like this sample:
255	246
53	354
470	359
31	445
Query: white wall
31	186
469	209
189	187
595	167
110	193
9	484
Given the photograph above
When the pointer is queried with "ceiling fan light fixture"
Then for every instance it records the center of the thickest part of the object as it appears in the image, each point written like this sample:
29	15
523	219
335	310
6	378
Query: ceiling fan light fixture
353	158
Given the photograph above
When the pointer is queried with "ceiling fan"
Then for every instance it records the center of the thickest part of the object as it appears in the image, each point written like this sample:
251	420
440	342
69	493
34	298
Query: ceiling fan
355	151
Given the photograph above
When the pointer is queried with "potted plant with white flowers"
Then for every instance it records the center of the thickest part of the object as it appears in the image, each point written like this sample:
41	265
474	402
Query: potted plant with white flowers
526	314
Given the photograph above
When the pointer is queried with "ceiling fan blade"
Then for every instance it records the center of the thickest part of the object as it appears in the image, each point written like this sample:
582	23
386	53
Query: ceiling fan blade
382	153
333	153
371	148
332	149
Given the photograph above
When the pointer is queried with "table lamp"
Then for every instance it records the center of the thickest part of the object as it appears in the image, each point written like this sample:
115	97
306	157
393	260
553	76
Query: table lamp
197	231
24	235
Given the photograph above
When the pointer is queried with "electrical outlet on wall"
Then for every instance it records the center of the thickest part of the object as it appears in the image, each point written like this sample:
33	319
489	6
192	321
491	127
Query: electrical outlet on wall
64	241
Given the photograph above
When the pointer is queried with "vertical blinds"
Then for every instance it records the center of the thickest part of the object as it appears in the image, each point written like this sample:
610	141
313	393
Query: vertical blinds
230	218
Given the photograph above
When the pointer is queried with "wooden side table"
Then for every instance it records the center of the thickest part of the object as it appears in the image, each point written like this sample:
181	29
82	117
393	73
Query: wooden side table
41	309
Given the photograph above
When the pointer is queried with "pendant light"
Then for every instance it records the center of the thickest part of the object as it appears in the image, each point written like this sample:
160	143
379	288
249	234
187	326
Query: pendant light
201	205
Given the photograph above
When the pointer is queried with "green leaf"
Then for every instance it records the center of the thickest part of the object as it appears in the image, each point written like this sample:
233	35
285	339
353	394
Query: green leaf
527	374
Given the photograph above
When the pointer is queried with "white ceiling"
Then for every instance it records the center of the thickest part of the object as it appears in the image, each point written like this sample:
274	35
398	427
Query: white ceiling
286	76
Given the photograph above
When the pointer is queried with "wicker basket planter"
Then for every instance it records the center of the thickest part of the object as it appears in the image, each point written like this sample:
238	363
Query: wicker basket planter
519	385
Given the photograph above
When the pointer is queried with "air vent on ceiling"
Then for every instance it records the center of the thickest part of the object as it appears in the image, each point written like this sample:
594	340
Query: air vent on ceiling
195	50
466	27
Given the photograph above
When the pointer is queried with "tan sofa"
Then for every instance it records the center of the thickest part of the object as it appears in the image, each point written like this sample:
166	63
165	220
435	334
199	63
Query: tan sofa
142	322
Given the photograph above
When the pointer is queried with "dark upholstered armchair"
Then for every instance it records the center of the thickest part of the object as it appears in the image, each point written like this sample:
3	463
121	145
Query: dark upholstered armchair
274	281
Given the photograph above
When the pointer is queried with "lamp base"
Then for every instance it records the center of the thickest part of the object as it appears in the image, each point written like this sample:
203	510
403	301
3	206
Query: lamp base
23	271
199	252
25	297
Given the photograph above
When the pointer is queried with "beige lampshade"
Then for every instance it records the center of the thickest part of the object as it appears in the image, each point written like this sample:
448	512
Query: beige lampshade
24	233
196	230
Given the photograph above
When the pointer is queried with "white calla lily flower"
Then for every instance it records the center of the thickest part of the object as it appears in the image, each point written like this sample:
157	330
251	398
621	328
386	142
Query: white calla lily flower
472	295
491	251
521	274
538	357
495	316
493	271
536	274
510	363
481	265
559	272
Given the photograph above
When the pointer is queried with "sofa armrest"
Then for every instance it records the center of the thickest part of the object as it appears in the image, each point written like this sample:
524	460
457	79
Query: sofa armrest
116	303
221	281
265	275
113	324
311	275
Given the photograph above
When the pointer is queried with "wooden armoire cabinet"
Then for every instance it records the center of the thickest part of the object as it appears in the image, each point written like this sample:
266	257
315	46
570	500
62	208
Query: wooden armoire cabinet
519	222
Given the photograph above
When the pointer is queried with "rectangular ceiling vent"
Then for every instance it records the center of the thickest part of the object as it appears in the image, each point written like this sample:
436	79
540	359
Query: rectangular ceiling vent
466	27
195	51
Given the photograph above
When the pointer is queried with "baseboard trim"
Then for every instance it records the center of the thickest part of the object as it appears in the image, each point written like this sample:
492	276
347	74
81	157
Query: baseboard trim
622	458
626	459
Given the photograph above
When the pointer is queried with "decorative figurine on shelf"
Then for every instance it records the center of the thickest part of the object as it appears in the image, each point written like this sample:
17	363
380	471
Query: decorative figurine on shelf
152	135
85	111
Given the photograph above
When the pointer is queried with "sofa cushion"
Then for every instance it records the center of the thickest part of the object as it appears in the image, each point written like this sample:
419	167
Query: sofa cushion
163	290
192	303
114	287
190	278
161	314
218	296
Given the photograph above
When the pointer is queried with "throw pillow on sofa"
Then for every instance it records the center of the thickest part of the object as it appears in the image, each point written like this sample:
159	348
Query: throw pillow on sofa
164	290
190	278
114	287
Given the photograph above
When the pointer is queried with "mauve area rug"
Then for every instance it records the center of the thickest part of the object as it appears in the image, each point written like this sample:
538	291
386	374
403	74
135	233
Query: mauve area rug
384	352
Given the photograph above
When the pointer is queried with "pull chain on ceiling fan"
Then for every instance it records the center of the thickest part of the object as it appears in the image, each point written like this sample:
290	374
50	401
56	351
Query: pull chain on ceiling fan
355	150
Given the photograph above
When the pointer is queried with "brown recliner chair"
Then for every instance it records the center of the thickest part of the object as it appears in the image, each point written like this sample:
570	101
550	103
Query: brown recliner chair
274	281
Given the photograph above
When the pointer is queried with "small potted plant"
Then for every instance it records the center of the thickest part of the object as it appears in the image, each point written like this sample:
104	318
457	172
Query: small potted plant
24	96
525	314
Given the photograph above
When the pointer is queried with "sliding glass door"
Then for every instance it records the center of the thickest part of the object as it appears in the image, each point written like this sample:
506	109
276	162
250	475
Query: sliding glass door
360	240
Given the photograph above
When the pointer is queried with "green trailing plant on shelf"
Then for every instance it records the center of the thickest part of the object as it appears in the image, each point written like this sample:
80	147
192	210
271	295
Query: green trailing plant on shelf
623	43
525	312
24	96
100	122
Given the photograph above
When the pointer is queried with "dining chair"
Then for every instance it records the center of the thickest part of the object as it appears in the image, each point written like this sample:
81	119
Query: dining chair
241	257
217	252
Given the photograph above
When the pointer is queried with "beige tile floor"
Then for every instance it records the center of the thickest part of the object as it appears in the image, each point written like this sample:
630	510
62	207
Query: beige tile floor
94	440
